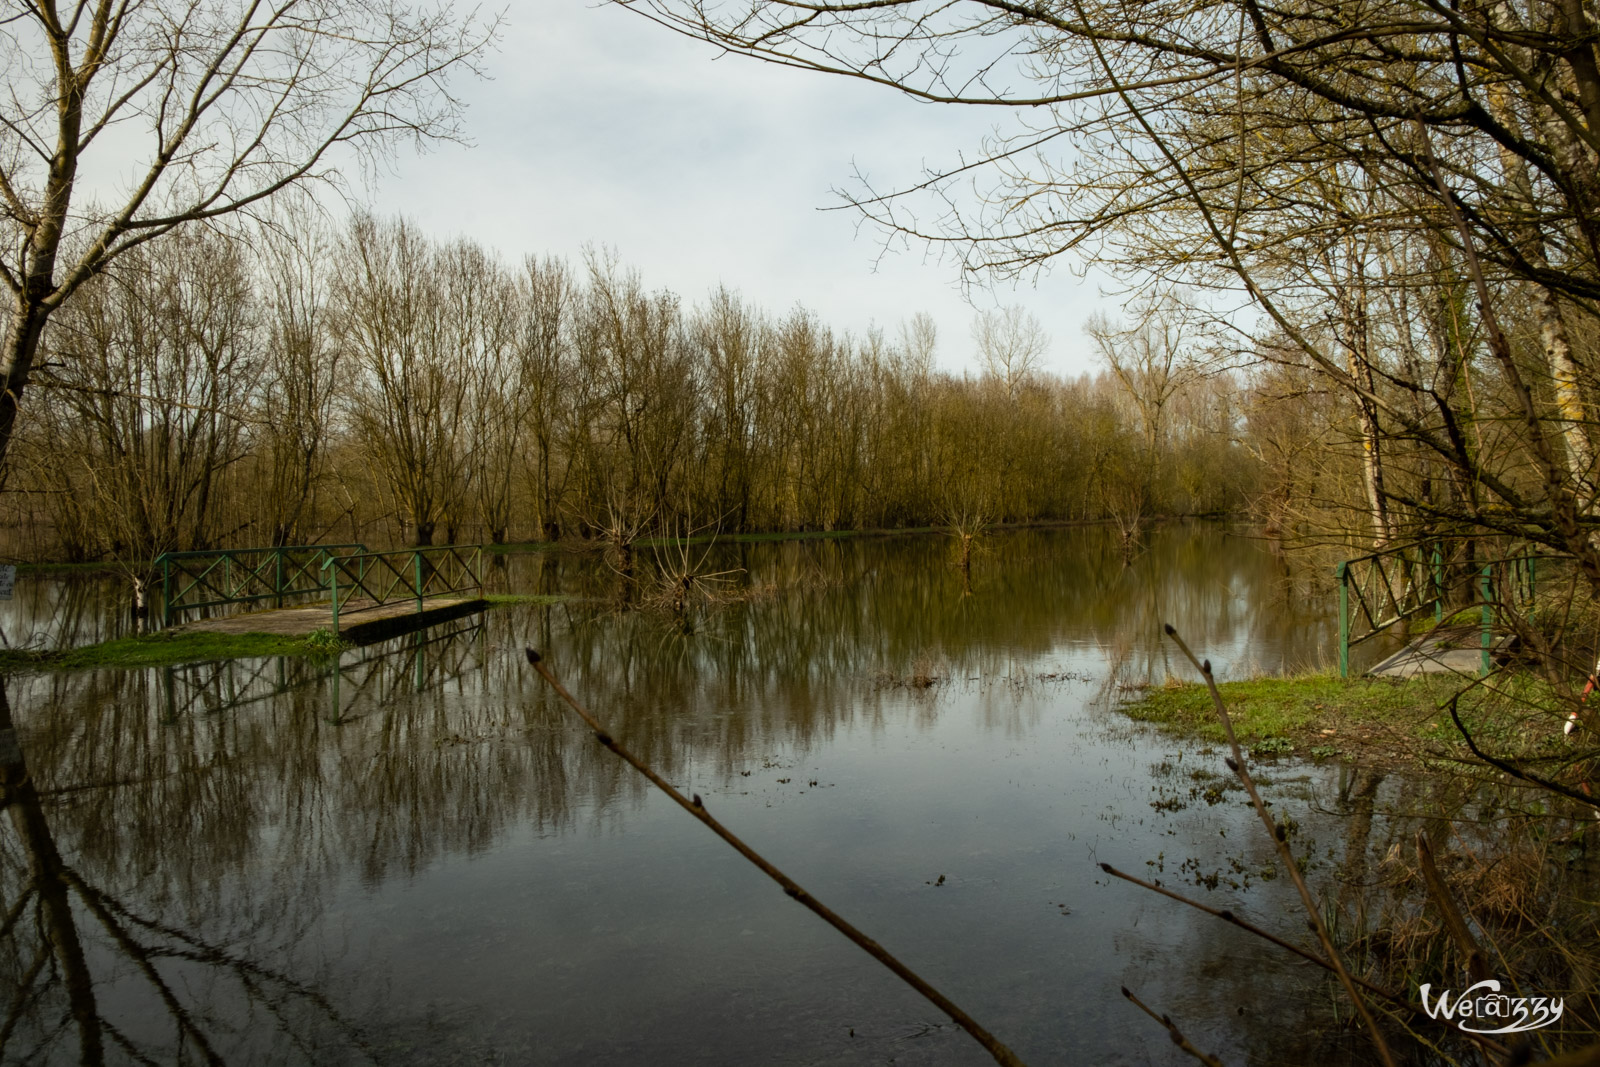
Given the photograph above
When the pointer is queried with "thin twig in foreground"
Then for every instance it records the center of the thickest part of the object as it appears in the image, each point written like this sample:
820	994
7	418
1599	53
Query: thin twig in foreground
1173	1031
1280	840
1526	776
1228	916
697	808
1477	964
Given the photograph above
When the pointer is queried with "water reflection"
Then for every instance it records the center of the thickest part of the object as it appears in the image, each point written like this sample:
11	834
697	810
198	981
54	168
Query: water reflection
64	610
412	854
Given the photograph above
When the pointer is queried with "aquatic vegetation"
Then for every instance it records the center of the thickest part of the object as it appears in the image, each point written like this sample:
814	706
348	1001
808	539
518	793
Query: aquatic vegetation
167	647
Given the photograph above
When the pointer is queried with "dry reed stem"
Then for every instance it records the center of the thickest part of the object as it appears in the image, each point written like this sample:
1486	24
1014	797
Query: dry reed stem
1173	1031
1280	840
696	807
1477	963
1228	916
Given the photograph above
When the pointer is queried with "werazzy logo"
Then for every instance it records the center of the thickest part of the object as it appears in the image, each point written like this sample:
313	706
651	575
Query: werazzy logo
1483	1003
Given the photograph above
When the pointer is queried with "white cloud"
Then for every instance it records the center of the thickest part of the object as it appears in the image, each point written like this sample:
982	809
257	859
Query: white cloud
700	169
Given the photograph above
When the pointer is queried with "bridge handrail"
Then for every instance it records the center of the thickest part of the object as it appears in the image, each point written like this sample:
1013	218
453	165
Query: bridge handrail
1381	607
272	571
195	553
413	573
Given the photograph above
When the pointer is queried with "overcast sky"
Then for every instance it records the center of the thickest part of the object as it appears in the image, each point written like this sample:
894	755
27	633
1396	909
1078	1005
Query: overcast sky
597	126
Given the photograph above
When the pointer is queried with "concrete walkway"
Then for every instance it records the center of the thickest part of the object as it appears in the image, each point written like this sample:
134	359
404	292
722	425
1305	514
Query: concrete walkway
1451	650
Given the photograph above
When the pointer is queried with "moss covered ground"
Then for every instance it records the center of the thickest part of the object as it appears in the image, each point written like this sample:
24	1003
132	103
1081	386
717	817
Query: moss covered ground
1324	716
165	648
178	646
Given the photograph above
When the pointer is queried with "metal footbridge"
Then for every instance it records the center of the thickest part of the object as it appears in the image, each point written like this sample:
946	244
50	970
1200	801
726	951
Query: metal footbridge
295	590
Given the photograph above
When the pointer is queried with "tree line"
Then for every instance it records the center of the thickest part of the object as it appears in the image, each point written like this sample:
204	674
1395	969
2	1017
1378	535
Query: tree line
298	383
1388	210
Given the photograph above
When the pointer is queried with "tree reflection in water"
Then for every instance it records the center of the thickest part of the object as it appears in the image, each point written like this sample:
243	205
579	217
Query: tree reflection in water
181	995
178	835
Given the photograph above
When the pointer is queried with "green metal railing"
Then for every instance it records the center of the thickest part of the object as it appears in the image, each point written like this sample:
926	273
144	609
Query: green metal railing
378	578
1383	589
1504	583
1386	588
192	581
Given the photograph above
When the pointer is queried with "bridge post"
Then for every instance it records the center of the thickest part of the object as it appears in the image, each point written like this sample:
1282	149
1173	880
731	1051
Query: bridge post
1438	585
1488	615
1343	573
333	583
416	568
166	593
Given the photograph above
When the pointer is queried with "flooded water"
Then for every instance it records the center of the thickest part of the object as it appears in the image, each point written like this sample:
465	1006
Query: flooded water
416	855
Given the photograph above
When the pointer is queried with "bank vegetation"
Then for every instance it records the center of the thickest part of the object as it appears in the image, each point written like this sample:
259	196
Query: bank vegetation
299	383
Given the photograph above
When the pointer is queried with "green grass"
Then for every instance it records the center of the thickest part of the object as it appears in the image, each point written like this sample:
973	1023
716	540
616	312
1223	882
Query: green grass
500	600
102	567
169	647
758	538
166	648
513	547
1322	715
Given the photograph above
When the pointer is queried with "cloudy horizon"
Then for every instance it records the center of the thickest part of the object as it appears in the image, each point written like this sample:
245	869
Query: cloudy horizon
597	127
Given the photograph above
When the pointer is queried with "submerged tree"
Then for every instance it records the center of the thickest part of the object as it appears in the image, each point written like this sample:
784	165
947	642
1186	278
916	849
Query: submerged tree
407	390
397	322
152	371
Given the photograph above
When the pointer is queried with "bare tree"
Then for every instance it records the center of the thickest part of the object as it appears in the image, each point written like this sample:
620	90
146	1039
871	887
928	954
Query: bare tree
381	379
919	339
302	377
410	398
482	308
200	109
1151	360
1011	343
150	381
729	337
544	352
641	393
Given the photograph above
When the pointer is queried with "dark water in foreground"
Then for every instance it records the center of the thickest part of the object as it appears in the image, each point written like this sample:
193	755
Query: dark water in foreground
416	856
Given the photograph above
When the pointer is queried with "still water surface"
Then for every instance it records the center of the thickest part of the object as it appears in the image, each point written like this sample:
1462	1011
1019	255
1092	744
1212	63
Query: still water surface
415	855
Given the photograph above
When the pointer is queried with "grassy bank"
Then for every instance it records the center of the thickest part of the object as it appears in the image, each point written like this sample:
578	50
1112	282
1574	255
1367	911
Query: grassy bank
166	648
1322	716
109	568
769	536
501	600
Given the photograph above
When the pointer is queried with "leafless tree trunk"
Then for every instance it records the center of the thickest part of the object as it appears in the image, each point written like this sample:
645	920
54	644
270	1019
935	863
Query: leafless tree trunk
295	416
223	105
544	357
410	401
154	367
